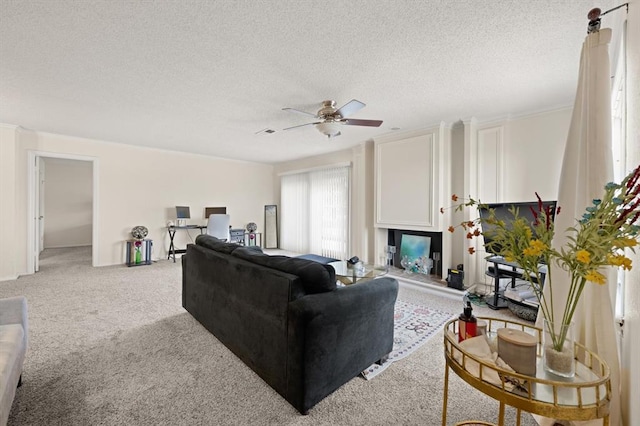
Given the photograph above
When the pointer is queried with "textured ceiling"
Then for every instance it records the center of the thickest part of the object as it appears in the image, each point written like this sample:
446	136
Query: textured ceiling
204	76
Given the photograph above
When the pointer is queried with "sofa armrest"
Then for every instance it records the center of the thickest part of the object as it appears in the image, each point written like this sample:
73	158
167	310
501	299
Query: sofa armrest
334	336
13	310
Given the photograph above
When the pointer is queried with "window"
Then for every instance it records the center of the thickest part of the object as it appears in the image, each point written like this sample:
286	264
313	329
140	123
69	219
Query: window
618	146
315	212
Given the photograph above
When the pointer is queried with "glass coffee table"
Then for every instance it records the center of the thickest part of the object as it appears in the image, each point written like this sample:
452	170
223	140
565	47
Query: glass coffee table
350	274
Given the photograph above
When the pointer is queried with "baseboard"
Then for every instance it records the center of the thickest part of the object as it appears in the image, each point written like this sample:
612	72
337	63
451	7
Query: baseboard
9	278
71	246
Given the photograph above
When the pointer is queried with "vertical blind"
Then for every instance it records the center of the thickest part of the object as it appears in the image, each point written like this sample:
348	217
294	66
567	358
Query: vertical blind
315	212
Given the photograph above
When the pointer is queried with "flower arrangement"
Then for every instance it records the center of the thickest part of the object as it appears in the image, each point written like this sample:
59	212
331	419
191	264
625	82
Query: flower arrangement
598	240
138	246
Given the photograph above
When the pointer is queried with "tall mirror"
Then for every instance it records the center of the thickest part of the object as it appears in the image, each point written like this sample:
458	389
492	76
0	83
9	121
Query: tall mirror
271	226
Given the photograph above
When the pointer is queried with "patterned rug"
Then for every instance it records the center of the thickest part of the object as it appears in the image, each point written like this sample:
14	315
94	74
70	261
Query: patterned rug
413	327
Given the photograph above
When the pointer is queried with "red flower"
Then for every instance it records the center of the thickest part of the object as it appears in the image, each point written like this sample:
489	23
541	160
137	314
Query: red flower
451	229
442	210
454	197
471	250
469	235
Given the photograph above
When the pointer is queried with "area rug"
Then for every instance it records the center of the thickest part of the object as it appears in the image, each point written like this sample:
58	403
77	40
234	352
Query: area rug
413	327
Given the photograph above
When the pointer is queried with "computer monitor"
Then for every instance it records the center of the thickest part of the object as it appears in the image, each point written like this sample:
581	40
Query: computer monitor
182	213
208	211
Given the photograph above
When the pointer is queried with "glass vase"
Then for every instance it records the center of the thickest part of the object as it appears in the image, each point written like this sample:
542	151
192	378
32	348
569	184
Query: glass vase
407	264
138	256
558	349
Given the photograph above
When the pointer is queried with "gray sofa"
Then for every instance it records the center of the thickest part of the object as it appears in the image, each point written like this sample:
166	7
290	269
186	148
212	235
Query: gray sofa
13	348
286	319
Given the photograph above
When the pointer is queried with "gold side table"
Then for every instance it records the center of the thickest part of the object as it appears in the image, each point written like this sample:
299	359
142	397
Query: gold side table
583	397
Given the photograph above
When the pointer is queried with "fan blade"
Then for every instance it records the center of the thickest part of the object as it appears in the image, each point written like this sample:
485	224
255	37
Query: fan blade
299	112
357	122
302	125
350	107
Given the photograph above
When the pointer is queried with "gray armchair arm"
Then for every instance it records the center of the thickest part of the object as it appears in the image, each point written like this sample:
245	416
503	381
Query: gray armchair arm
13	310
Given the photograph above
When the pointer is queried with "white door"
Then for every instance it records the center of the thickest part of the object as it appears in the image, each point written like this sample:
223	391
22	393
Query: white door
41	205
37	217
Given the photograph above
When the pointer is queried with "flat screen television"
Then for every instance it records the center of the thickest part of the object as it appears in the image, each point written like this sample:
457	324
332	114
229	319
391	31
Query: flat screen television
182	212
503	212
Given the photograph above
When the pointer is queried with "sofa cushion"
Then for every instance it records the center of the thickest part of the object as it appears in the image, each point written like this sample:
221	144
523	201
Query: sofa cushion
214	243
315	277
12	353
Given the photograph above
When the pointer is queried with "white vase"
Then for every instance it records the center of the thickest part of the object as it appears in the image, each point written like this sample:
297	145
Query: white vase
558	359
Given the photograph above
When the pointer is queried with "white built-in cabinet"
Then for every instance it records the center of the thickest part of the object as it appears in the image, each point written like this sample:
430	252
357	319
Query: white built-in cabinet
412	181
411	176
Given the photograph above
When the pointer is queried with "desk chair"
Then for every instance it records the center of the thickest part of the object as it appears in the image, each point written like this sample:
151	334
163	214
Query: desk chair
218	226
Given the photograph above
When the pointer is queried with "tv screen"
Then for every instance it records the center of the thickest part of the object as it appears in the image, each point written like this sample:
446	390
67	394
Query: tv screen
503	212
182	212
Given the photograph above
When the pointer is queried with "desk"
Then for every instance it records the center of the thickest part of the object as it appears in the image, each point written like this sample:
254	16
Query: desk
172	232
497	300
583	397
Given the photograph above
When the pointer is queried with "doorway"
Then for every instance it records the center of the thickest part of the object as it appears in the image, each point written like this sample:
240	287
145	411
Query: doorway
62	206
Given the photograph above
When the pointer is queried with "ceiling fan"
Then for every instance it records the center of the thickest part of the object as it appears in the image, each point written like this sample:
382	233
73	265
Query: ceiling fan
331	119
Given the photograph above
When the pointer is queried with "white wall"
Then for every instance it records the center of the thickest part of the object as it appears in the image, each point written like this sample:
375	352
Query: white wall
7	205
68	198
140	186
505	160
533	148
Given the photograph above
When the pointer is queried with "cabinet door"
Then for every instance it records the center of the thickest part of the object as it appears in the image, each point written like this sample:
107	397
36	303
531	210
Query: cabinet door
405	182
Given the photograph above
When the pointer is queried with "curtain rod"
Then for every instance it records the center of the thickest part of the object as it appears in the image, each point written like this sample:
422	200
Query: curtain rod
594	17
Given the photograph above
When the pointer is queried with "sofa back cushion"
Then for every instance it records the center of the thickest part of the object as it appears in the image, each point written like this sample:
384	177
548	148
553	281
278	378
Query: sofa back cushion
315	277
216	244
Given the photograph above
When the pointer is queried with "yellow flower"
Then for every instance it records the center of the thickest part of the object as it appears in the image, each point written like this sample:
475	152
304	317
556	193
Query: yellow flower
596	277
536	247
614	260
619	260
583	256
528	233
625	242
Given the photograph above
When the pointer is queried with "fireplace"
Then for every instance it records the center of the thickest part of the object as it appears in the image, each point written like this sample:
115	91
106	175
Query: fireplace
394	238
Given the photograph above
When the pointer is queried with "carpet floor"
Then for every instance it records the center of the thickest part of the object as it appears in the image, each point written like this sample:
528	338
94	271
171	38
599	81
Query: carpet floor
113	346
413	326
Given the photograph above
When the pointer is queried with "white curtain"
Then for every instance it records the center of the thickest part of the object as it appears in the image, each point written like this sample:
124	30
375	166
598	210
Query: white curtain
587	166
294	213
315	212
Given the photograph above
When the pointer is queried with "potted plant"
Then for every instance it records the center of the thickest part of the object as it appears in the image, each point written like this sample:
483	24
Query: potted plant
608	227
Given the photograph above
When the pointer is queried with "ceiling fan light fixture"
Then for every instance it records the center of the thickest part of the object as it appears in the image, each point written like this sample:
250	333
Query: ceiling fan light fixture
329	128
